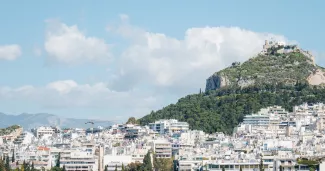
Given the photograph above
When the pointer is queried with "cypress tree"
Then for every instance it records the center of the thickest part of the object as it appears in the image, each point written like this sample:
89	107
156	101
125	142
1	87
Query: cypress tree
106	169
33	168
123	169
57	164
7	164
261	165
115	167
13	156
24	164
63	169
147	164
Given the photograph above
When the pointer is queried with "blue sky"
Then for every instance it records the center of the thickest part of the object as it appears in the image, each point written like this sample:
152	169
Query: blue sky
112	60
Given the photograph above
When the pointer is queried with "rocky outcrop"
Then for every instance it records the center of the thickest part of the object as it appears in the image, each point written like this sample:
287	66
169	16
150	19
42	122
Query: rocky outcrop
216	81
244	83
316	78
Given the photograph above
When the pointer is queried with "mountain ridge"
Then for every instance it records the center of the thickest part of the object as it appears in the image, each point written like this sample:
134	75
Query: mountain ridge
29	121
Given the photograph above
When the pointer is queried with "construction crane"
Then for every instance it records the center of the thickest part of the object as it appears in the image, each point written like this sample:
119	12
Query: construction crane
92	128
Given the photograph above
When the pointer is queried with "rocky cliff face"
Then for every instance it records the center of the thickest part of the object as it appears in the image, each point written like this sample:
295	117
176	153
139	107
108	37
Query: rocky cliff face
317	77
216	81
287	68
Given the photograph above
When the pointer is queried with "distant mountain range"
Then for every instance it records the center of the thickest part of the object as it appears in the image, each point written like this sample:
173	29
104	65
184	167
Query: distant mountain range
29	121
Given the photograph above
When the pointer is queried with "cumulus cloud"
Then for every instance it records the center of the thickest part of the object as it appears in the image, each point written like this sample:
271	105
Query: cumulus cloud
68	45
9	52
182	65
70	94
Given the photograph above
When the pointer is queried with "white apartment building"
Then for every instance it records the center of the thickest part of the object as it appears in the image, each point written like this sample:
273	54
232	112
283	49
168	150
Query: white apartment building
169	126
162	148
44	131
78	160
235	166
257	120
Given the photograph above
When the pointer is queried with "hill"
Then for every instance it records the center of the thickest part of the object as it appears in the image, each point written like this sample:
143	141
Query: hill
277	76
278	63
8	130
29	121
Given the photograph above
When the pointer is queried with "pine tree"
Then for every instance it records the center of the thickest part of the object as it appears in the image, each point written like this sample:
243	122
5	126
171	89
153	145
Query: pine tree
57	164
13	156
115	167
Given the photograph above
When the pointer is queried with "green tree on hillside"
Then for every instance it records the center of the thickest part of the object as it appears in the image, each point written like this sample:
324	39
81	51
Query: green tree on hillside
221	110
134	166
132	120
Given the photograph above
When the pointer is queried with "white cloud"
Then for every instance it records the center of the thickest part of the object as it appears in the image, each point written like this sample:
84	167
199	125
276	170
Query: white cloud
182	65
70	94
68	45
10	52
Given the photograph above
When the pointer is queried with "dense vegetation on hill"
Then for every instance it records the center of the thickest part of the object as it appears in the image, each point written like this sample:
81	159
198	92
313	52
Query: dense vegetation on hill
273	68
265	80
222	109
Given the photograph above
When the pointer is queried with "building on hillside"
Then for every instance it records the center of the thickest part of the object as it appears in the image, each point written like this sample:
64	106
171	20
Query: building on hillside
162	148
169	126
